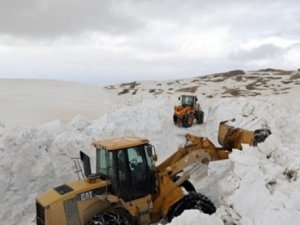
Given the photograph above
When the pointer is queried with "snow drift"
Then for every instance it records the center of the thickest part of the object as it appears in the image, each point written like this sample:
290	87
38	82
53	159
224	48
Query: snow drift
258	185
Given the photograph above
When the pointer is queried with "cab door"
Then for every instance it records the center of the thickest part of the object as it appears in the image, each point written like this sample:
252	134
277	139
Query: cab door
138	171
135	173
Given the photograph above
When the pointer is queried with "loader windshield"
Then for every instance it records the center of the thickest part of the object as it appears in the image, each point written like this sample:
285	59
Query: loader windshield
128	169
187	100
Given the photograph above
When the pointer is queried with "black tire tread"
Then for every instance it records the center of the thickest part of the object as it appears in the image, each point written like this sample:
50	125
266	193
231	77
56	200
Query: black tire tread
199	117
110	218
185	120
192	200
187	185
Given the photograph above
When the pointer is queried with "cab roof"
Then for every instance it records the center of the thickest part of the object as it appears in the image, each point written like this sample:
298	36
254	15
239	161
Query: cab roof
120	143
189	95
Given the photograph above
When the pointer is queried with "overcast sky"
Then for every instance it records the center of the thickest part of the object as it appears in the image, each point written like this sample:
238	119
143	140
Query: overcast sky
110	41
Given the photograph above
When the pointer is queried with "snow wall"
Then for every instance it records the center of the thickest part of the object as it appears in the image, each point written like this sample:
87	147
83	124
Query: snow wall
258	185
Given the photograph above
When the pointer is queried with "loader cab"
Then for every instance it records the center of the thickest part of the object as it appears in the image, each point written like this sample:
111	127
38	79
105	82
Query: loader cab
129	165
188	100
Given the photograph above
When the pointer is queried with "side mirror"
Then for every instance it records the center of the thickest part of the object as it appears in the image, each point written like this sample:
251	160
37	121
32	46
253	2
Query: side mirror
86	163
179	98
154	157
196	99
151	152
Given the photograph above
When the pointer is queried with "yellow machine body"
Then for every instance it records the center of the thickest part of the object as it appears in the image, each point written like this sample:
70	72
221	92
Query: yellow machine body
77	202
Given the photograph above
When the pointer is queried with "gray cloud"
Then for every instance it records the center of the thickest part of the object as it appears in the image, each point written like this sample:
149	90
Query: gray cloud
265	51
48	18
111	40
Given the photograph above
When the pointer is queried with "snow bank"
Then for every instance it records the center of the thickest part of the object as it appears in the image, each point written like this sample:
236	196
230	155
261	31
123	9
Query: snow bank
256	186
192	217
260	185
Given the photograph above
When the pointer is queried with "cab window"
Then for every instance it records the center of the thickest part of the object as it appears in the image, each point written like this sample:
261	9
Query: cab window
105	163
187	101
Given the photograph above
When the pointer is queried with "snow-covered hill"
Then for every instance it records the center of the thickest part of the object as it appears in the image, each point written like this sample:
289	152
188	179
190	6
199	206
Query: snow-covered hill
256	186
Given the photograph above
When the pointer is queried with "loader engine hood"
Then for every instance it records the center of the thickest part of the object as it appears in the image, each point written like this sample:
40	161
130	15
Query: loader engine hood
80	189
71	204
180	110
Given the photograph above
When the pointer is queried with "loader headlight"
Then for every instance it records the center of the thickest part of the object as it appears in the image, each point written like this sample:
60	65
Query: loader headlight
169	170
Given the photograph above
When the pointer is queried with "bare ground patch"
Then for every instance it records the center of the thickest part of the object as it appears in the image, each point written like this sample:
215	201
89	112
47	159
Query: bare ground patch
273	78
124	91
276	71
252	77
134	92
238	92
110	87
192	89
224	76
128	87
287	81
284	89
291	175
219	77
295	76
258	83
156	91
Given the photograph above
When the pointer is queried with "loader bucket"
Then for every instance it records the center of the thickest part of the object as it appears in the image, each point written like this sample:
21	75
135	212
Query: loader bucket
260	135
233	137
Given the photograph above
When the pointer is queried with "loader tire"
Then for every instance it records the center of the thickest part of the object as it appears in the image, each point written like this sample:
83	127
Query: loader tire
192	200
110	218
175	119
187	185
186	120
199	117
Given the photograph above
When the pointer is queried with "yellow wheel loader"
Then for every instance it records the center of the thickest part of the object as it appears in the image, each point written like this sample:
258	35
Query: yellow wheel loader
128	189
189	110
